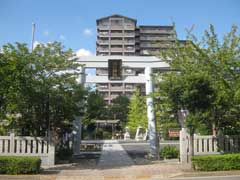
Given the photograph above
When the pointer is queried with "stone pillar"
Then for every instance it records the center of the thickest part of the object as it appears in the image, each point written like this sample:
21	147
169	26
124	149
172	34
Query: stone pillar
77	135
51	151
77	123
153	140
184	145
12	143
82	77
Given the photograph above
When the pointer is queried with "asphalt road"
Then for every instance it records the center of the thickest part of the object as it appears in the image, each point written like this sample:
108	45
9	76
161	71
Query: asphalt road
235	177
29	177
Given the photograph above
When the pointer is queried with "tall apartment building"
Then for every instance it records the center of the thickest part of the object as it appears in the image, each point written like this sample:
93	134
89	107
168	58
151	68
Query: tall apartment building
116	36
120	36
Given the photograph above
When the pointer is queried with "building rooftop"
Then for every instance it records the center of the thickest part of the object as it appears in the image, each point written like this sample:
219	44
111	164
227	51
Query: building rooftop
115	15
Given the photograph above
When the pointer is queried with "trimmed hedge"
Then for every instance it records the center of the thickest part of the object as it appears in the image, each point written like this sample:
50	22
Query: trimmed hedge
169	152
19	165
216	162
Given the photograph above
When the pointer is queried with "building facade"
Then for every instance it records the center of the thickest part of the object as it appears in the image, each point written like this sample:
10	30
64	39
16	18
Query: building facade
119	35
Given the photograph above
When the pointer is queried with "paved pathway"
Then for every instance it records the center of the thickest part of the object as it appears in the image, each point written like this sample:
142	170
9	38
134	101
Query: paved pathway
113	155
114	163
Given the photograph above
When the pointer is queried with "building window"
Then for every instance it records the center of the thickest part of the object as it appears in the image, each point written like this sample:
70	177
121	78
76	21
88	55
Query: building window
114	69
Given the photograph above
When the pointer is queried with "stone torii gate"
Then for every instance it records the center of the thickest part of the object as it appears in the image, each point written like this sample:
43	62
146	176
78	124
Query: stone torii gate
148	63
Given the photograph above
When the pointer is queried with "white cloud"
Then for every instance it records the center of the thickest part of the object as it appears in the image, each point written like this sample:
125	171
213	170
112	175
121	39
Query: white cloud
62	37
88	32
83	52
46	33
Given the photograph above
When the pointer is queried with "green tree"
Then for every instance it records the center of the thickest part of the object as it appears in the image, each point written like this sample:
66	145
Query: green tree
204	79
119	109
39	90
137	115
95	110
95	107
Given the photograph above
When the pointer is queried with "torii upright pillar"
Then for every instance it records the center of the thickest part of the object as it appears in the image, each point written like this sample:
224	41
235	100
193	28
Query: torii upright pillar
77	123
152	130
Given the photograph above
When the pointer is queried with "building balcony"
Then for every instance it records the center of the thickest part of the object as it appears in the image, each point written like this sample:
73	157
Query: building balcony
129	27
103	34
103	41
156	38
155	45
116	41
129	34
99	49
116	34
100	89
129	87
116	49
117	27
129	49
156	31
103	27
131	42
116	88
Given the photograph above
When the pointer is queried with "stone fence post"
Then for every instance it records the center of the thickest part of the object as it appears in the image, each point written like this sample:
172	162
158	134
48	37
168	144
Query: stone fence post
12	135
51	153
184	145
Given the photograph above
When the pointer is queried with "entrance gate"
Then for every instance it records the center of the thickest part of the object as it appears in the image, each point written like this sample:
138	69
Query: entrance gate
119	70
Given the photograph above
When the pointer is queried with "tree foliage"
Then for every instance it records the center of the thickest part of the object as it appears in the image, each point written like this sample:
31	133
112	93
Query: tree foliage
204	79
119	109
137	115
38	91
95	107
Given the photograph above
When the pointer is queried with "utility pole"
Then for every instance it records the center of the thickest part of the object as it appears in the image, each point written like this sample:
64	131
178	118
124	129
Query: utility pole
33	35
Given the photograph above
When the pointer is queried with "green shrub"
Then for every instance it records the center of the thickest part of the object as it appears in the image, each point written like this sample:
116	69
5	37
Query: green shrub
107	135
169	152
64	153
19	165
99	133
217	162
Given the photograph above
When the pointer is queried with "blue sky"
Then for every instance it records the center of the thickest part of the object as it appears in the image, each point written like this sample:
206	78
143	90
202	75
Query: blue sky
73	22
